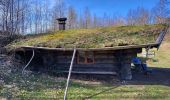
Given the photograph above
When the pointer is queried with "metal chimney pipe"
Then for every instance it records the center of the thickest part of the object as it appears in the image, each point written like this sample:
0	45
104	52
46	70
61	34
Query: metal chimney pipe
62	23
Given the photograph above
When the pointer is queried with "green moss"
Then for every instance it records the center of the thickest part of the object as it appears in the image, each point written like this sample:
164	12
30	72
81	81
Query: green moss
94	38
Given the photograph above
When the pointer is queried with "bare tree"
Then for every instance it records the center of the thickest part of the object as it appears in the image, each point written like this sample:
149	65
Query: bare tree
161	11
131	17
60	8
29	16
59	11
81	22
142	17
95	20
119	21
13	15
5	10
72	18
105	20
46	15
87	18
139	16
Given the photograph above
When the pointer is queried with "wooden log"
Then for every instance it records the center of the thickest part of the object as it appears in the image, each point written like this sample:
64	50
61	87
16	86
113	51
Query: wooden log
152	45
94	72
105	61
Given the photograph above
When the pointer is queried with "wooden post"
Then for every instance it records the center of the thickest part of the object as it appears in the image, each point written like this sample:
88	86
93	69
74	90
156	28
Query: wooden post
125	71
124	60
69	75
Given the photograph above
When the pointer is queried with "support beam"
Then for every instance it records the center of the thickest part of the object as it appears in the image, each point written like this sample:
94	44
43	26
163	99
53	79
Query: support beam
33	54
124	68
125	71
69	75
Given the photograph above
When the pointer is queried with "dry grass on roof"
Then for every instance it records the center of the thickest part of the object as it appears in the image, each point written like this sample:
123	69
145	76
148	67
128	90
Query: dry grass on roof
94	38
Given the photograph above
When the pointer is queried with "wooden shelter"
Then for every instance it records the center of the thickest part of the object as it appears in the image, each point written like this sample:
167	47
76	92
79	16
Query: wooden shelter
110	60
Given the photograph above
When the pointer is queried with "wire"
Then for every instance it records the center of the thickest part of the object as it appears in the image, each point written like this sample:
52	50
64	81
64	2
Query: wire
33	54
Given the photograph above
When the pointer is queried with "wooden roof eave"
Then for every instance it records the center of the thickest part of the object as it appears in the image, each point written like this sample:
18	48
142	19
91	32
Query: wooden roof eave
152	45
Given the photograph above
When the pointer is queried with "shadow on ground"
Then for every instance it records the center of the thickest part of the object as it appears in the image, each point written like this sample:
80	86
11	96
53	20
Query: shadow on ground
159	76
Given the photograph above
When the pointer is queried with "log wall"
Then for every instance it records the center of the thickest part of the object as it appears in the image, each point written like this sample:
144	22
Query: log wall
105	62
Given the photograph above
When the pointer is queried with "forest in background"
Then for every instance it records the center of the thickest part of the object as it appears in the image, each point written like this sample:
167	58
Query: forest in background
37	16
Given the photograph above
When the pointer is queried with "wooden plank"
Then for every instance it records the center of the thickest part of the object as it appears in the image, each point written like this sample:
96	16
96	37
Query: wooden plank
111	52
87	65
161	36
152	45
109	56
63	57
59	61
96	73
89	68
105	61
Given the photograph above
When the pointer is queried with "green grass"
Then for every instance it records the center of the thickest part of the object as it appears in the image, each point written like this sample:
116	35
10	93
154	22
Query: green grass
94	38
79	91
162	57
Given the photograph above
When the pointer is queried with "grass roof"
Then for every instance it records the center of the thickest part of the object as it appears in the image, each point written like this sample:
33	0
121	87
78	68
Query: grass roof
94	38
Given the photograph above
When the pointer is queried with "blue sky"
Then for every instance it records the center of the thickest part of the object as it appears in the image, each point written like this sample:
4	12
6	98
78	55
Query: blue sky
111	7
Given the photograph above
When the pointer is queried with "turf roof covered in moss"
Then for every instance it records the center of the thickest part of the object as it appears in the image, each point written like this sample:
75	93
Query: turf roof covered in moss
94	38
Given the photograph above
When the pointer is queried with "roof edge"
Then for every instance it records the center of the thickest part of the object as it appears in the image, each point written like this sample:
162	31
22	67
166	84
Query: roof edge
152	45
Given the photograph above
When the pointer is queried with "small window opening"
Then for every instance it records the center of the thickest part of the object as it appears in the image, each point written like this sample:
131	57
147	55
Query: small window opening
85	58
